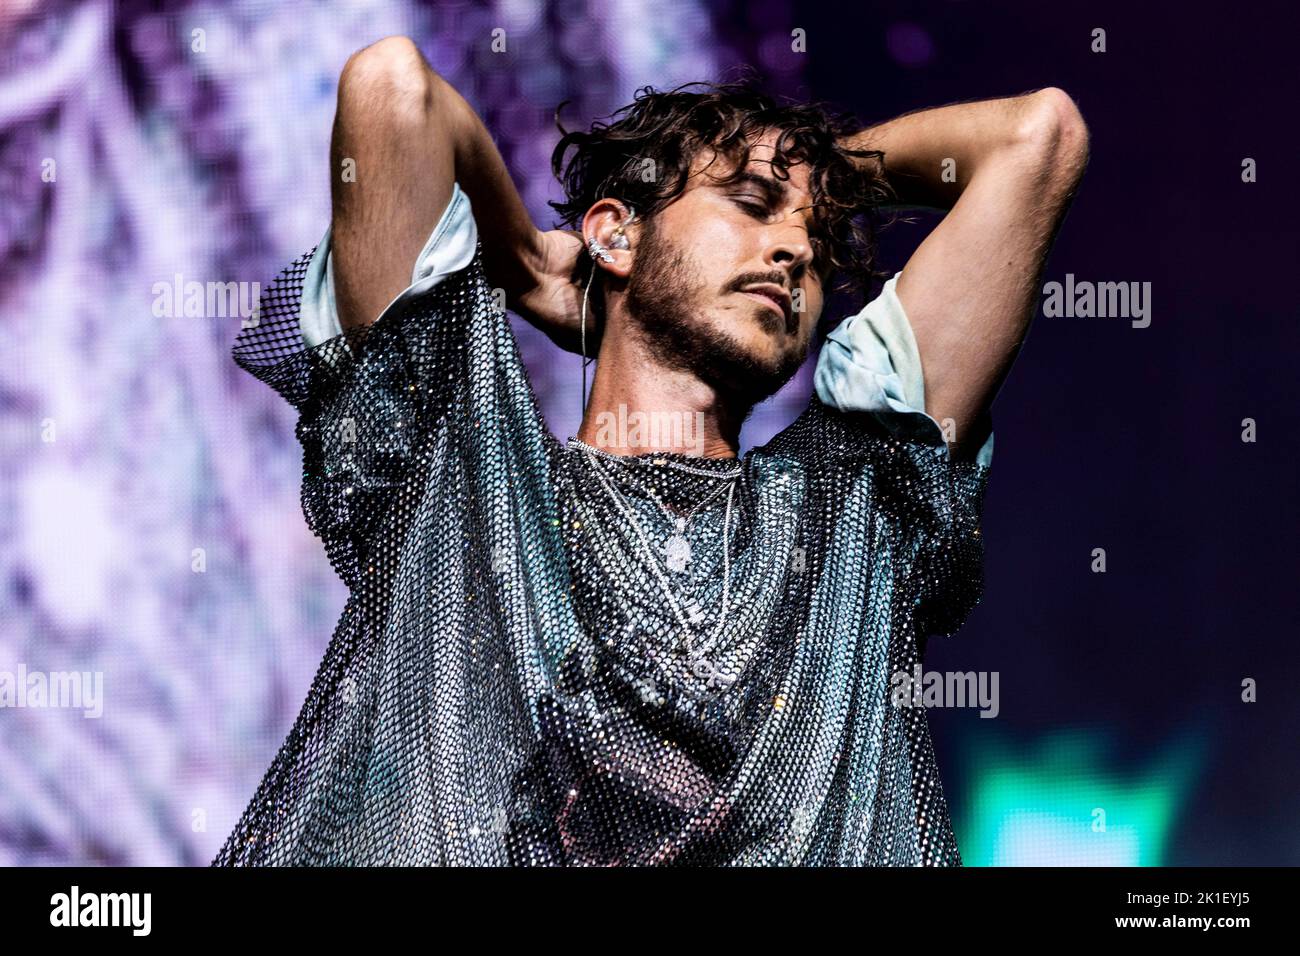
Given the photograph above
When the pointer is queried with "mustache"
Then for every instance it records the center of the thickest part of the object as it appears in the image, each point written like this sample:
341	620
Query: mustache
755	278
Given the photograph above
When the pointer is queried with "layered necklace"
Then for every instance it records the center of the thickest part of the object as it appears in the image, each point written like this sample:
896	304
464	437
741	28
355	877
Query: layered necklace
676	554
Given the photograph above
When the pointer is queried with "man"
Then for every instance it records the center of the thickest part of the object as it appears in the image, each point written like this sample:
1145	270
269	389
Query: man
637	648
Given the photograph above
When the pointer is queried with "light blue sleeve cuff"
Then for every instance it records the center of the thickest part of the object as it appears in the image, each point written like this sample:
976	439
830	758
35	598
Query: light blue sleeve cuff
449	248
870	363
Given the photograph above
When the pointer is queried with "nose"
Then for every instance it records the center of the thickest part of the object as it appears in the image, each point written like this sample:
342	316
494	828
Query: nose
791	251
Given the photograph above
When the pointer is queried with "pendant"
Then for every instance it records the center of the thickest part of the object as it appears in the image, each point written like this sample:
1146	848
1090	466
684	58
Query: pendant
704	669
677	552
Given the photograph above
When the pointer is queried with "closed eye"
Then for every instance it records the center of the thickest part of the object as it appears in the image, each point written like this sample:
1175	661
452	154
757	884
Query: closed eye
755	207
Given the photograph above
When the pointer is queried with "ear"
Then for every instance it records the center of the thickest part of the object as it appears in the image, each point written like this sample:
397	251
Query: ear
601	223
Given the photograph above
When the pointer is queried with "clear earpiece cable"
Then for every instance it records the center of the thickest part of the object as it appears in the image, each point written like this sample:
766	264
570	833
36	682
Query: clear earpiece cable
583	335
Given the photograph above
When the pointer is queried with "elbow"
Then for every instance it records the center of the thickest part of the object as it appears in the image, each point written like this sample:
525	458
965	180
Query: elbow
1053	129
389	78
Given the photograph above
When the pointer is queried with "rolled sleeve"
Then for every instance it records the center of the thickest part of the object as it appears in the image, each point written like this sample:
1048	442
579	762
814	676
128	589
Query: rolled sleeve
870	363
449	249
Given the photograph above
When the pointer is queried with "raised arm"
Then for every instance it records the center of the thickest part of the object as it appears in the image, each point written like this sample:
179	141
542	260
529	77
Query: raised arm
409	135
971	288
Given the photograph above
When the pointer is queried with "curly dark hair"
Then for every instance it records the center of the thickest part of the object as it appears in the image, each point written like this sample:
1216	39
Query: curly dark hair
671	128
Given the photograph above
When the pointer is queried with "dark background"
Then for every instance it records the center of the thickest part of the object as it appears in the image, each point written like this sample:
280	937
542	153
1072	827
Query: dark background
1129	439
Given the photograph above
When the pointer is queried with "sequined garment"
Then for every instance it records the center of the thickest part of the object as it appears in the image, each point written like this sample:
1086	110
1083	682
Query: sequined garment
504	685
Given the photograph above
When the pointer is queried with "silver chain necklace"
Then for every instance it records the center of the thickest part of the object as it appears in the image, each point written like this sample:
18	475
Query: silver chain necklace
701	665
677	549
579	443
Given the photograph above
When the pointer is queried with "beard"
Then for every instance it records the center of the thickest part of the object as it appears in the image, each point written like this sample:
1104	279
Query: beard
664	290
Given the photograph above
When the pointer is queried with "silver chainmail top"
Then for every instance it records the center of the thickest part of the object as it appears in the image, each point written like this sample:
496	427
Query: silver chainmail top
510	683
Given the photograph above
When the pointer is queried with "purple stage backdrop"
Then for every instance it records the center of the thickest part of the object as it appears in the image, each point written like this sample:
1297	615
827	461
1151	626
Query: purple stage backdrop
165	607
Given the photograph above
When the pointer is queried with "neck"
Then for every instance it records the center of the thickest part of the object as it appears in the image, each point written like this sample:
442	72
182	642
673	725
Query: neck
640	405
